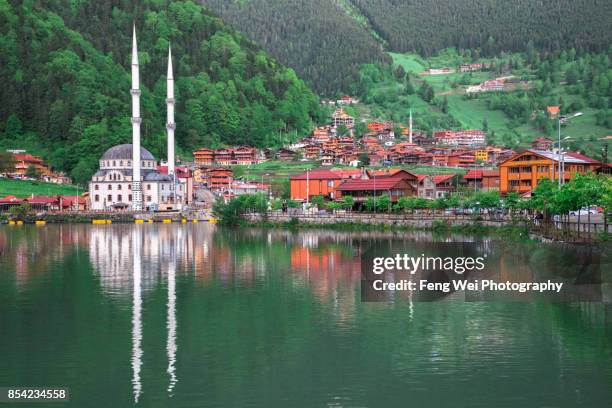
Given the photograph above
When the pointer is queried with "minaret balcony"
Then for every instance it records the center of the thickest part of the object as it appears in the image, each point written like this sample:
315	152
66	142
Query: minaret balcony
135	92
137	120
170	126
170	100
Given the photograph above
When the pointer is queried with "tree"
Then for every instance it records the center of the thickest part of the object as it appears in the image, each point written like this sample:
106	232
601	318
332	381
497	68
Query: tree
318	201
32	172
364	158
19	212
383	203
348	202
485	124
7	162
426	92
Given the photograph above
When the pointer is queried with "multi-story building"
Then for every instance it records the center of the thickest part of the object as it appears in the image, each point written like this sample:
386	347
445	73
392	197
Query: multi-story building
25	161
203	156
245	155
340	117
461	138
522	172
224	156
542	143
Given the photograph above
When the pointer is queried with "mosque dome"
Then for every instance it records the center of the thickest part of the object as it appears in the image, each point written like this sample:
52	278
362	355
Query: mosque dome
124	152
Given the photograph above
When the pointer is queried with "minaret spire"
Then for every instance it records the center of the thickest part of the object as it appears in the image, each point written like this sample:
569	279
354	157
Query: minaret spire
136	120
410	128
170	125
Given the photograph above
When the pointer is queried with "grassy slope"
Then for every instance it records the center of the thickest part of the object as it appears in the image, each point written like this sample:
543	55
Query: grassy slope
22	189
470	113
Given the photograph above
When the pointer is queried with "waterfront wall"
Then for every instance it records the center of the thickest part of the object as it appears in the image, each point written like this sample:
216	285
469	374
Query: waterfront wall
397	220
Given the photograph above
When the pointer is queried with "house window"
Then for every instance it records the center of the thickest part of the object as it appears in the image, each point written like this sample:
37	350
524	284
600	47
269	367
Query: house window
526	169
149	198
148	187
110	198
121	163
129	186
119	198
110	186
543	169
114	163
96	187
515	170
514	183
163	187
96	198
330	184
130	197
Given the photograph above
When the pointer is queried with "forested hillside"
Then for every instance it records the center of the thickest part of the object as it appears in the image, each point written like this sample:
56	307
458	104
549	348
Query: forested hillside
320	39
427	26
64	69
326	40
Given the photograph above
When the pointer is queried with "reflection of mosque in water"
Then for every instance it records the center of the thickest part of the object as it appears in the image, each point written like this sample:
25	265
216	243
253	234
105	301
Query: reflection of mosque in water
150	253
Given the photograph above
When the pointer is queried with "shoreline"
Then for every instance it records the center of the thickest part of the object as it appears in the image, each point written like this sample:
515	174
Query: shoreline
516	229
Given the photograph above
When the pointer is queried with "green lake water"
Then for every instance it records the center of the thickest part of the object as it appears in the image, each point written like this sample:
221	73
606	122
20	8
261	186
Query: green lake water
201	316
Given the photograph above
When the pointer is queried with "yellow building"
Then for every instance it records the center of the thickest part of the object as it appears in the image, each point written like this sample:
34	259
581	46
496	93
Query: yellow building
481	155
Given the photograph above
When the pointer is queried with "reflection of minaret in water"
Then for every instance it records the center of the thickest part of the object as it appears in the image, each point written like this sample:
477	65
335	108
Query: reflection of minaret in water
136	120
171	325
137	313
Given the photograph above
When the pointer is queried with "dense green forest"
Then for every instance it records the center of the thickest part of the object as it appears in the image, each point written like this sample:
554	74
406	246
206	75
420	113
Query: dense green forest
321	39
326	41
64	68
427	26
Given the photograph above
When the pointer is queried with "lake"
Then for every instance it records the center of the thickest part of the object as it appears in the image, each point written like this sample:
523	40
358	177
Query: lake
198	315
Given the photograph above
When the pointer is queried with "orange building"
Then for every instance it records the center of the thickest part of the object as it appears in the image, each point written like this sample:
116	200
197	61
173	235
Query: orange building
203	156
23	161
313	183
219	178
522	172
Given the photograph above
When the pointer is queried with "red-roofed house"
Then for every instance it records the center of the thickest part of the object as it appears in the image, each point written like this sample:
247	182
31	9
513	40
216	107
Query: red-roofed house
485	180
10	201
436	186
360	190
314	183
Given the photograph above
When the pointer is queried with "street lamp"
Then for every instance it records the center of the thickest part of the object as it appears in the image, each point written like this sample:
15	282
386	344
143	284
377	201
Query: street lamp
562	175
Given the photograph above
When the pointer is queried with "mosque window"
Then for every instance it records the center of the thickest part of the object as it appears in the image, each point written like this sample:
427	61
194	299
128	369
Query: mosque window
96	198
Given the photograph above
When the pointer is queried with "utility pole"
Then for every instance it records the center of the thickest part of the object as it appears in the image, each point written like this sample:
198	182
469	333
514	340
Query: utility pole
559	151
307	187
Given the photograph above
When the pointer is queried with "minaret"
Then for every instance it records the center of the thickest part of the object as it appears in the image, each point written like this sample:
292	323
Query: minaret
410	128
170	125
135	91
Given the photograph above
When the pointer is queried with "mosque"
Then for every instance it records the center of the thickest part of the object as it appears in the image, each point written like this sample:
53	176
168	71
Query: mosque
128	177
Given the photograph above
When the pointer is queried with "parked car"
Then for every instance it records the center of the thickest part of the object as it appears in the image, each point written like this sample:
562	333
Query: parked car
584	211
